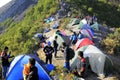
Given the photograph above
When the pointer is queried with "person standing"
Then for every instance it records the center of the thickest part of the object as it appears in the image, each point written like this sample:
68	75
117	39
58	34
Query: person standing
81	64
5	61
55	44
33	74
66	55
73	38
48	50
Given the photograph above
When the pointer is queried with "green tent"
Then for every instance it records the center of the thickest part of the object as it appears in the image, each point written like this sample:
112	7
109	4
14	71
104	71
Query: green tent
100	63
75	21
95	26
80	25
74	61
60	39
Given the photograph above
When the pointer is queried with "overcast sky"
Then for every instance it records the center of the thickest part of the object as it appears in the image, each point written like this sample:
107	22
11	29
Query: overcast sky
3	2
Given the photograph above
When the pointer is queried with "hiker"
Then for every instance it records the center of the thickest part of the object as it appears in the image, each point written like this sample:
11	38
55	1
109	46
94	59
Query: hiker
5	61
32	70
66	55
80	35
81	64
48	50
73	38
55	44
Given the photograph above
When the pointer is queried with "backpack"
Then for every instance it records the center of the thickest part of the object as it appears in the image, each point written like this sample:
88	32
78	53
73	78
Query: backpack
71	53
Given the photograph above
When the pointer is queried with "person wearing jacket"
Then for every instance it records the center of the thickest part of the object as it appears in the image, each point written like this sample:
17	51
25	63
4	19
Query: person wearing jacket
55	44
48	50
5	61
33	73
73	38
66	55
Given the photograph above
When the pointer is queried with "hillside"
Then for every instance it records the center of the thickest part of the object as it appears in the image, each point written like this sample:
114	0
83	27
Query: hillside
107	11
14	8
18	30
33	20
18	35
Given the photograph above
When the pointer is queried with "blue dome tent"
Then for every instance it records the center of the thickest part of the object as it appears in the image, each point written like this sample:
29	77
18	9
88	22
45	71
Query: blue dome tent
16	68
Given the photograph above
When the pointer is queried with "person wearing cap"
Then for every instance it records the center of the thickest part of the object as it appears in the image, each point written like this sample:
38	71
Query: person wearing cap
48	50
5	62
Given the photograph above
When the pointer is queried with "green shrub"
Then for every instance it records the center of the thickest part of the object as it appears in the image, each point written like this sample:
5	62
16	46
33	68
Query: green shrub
111	43
90	9
64	22
61	74
104	10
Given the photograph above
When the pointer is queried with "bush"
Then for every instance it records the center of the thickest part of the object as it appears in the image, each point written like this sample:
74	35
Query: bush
104	10
64	22
111	43
90	9
61	74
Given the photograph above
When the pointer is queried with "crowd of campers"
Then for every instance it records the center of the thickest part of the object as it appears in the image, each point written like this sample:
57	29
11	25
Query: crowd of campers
79	51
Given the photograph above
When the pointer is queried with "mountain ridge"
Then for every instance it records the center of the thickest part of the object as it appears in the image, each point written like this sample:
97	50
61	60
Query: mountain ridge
14	8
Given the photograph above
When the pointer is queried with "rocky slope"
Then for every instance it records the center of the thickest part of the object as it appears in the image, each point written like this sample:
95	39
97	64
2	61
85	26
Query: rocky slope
14	8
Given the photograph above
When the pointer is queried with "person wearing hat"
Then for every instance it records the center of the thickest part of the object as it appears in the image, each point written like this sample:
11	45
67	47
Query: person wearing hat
48	50
5	62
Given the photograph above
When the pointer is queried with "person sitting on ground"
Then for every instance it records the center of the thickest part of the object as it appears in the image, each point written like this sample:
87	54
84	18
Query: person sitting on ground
81	64
48	50
73	38
5	62
33	73
55	44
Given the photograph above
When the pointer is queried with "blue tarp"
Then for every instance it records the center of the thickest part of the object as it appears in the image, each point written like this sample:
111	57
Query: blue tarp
16	68
50	67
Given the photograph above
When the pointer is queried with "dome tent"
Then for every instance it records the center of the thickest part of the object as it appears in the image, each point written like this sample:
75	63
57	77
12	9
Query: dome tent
100	63
60	39
74	61
83	42
87	33
16	68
